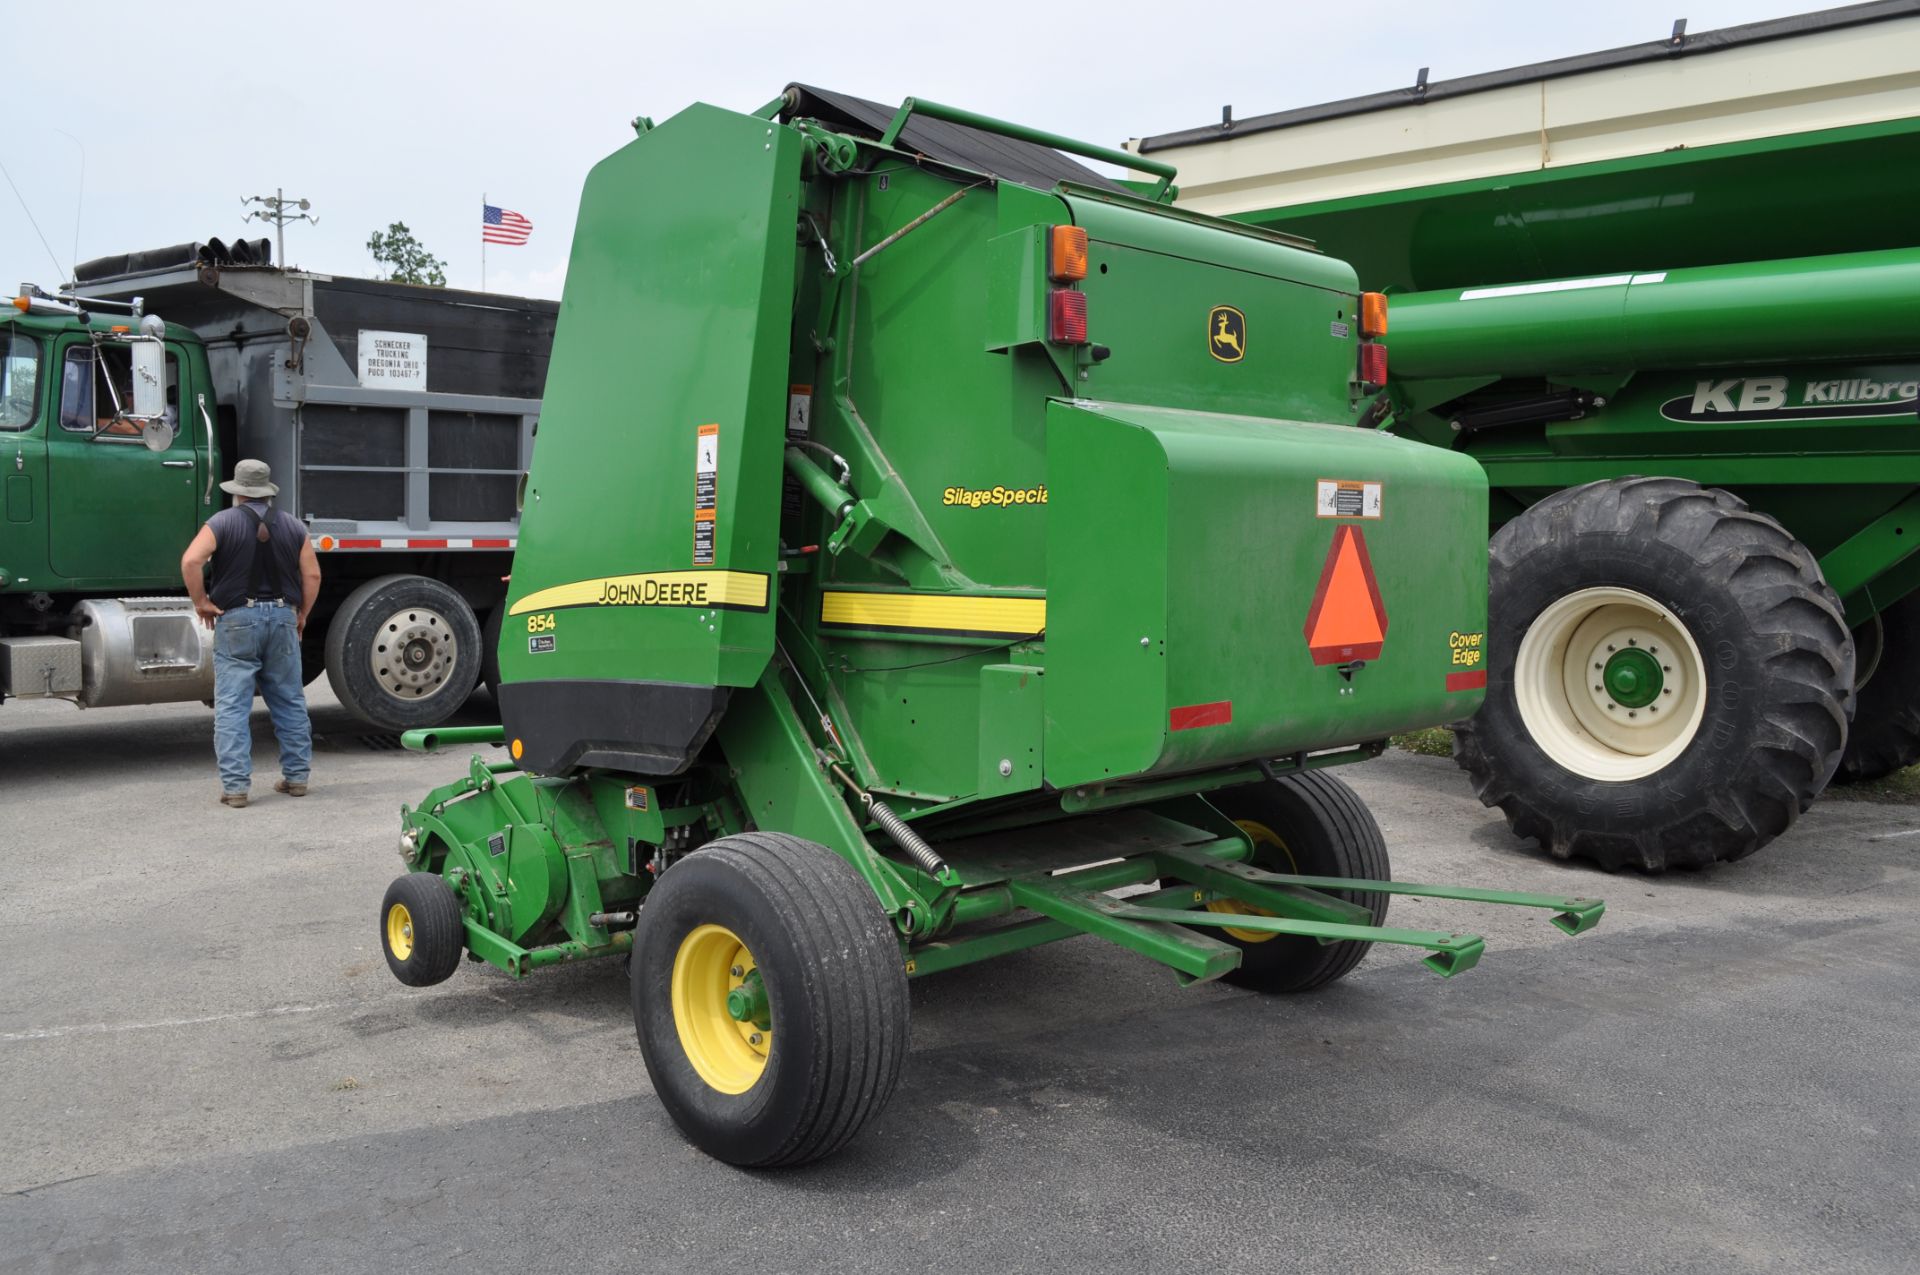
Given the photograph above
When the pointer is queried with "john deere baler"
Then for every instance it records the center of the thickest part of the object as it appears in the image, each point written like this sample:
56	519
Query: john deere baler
932	550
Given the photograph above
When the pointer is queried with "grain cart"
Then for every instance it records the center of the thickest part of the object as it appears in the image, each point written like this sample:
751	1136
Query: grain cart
929	539
1668	295
1692	382
397	419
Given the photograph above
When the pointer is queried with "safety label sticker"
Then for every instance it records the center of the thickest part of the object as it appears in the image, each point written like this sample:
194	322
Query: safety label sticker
706	488
799	429
799	411
1346	498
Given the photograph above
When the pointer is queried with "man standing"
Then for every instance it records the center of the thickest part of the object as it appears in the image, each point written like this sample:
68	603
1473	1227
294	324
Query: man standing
265	580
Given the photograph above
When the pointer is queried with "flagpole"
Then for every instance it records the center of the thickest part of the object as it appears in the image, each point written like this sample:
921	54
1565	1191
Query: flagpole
483	241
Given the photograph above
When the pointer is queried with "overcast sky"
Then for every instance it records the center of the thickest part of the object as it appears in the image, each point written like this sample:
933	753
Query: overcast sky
409	111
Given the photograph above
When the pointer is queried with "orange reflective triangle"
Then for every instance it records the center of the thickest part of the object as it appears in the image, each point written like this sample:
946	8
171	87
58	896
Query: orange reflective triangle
1347	620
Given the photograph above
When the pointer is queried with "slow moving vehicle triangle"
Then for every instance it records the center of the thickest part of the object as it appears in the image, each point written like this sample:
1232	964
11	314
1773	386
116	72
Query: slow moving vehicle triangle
1347	620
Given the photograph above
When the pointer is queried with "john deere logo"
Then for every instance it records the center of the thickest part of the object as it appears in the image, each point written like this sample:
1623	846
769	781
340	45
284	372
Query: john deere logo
1227	334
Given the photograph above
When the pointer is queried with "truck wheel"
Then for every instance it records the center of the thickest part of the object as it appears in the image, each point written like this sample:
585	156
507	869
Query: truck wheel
1310	824
1885	735
1669	677
403	651
420	929
490	652
770	998
313	654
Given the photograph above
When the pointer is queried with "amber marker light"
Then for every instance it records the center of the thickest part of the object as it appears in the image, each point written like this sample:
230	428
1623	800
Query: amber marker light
1373	314
1067	254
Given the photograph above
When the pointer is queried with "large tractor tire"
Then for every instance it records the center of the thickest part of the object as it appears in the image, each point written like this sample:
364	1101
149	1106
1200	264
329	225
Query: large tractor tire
1669	677
403	652
421	930
1885	735
770	998
1310	824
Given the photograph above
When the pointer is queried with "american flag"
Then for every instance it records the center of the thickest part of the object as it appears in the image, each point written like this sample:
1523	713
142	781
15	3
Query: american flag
501	225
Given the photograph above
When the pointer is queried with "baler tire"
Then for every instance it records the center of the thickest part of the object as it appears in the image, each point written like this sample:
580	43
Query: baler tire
1768	720
836	991
1885	735
352	638
1307	824
437	937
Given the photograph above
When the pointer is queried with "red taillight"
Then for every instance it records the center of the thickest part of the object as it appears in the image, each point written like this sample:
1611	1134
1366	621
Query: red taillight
1373	363
1067	317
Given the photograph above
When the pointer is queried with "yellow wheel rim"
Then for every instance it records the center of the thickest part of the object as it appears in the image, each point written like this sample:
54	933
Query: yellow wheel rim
1262	836
729	1055
400	931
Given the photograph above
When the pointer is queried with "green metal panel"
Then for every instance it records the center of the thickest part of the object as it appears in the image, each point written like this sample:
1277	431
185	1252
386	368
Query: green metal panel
1826	191
675	319
1012	725
1182	576
1154	287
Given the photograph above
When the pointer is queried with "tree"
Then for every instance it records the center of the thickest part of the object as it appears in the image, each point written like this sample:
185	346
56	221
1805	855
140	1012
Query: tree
406	259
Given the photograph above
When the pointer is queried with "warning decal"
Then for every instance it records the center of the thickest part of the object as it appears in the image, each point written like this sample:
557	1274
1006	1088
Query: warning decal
1344	498
706	489
1347	620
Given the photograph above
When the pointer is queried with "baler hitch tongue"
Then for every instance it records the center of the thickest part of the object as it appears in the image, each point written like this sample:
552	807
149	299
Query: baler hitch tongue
1309	907
433	738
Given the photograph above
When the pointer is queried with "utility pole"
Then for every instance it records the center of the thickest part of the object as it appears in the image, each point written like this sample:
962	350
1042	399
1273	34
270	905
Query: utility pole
273	208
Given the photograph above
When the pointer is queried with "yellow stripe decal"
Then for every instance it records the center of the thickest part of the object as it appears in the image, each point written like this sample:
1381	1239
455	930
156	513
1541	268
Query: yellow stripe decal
726	590
935	612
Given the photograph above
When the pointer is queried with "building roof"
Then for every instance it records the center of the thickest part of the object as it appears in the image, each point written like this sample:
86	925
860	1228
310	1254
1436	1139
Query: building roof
1676	46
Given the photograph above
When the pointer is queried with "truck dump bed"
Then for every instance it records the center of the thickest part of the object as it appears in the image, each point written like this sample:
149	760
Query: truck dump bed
396	415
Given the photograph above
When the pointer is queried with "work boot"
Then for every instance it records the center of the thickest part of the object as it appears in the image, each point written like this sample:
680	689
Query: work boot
291	788
238	800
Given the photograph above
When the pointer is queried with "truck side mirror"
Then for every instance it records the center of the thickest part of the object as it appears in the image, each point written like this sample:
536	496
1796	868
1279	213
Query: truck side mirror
157	434
149	379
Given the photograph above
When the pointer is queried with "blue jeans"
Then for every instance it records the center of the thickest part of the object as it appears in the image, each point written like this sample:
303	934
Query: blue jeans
252	645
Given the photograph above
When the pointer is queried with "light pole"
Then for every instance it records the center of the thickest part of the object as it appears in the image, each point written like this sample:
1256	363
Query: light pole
273	208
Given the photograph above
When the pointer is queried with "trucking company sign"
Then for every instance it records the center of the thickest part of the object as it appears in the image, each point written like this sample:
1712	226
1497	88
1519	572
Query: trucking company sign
393	360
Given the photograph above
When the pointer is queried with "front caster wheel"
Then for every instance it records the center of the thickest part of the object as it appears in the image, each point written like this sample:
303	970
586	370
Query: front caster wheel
420	929
770	998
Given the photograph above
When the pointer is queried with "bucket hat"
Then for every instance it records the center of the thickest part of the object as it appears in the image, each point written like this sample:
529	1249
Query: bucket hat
251	478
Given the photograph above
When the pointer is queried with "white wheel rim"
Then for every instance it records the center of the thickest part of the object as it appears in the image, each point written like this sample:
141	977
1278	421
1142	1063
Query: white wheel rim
1568	676
413	653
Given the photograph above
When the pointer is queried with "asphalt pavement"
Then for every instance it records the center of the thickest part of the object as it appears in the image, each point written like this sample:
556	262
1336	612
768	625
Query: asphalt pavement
205	1066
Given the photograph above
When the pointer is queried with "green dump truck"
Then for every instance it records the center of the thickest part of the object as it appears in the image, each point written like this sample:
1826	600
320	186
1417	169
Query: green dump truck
935	549
1691	370
397	419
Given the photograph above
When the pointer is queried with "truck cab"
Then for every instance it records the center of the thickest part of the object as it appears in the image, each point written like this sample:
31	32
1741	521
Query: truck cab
88	505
